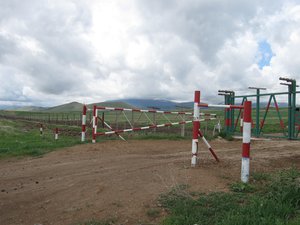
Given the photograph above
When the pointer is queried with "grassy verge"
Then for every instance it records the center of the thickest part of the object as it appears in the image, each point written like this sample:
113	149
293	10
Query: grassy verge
268	200
19	138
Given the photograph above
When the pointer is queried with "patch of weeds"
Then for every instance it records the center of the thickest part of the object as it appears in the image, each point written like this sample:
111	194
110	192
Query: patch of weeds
242	187
225	136
153	213
274	200
258	176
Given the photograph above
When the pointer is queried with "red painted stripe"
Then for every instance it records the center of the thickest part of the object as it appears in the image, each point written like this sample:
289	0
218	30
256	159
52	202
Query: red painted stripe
136	128
119	131
200	133
202	105
196	127
214	154
247	111
84	110
236	106
227	123
197	97
282	124
194	154
246	150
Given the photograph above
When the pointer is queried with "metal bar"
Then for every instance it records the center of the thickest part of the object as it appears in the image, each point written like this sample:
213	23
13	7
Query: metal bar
127	119
109	127
208	146
279	116
264	94
265	115
142	110
239	114
220	106
257	112
141	128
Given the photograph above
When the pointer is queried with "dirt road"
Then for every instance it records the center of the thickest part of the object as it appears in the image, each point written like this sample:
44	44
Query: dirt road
122	180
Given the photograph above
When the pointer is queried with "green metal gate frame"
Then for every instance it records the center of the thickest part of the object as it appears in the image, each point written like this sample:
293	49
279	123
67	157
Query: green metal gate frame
292	133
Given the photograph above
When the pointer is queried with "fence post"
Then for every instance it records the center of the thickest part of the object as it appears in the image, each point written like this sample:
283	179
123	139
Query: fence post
41	129
196	127
94	123
56	134
83	123
246	142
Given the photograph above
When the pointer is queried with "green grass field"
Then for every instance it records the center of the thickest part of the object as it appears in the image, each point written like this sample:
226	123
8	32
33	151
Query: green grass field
20	134
269	199
20	138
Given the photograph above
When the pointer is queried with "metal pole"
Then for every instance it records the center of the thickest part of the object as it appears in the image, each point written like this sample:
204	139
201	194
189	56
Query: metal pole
257	115
257	112
291	83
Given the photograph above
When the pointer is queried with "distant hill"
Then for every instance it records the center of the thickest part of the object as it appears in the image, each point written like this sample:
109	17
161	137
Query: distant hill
69	107
156	104
31	109
115	104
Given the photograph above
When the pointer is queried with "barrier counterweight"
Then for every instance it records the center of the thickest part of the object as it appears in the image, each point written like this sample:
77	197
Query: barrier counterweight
246	142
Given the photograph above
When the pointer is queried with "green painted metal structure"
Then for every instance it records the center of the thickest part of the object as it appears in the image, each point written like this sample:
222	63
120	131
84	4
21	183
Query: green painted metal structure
293	123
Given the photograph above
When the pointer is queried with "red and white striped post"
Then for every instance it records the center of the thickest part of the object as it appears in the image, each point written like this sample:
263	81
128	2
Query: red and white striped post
95	122
41	129
241	121
246	142
196	127
83	123
56	134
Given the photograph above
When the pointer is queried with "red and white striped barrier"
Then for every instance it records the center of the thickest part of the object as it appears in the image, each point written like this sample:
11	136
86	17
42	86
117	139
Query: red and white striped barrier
83	123
152	111
246	142
220	106
142	110
196	127
141	128
153	126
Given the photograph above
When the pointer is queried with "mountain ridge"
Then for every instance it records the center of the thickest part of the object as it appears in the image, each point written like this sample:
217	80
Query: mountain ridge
158	104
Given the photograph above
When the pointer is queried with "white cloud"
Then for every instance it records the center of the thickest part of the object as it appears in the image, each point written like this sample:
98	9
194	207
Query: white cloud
90	51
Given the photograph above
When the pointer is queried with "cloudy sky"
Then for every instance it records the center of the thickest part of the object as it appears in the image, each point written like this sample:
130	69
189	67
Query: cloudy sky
54	52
